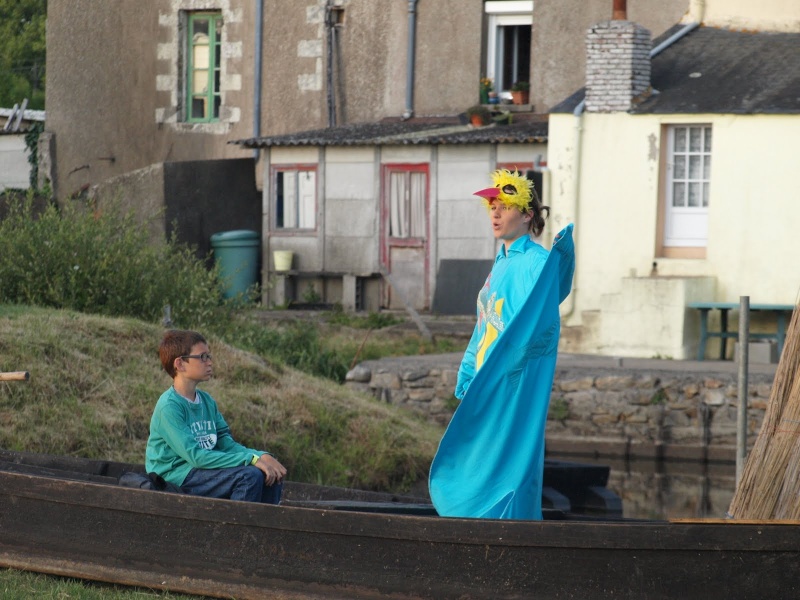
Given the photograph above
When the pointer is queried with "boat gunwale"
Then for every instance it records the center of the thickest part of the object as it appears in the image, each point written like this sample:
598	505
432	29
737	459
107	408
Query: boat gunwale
703	535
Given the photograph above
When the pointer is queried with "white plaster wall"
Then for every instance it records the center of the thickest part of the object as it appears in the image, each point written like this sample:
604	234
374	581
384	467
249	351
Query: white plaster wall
663	326
14	167
294	155
351	213
753	212
522	153
463	230
406	154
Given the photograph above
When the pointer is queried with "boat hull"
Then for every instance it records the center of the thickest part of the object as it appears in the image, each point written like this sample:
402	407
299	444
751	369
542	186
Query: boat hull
249	551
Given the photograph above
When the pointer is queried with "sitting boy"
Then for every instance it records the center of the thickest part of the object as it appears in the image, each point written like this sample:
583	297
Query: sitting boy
190	444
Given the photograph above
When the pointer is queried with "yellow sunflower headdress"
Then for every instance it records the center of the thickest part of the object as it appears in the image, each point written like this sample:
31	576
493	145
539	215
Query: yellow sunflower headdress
512	189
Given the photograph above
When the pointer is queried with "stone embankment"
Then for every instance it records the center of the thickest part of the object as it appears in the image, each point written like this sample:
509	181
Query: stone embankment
602	406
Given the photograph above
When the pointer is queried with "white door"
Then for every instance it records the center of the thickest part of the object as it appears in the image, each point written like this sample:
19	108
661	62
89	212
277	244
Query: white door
688	178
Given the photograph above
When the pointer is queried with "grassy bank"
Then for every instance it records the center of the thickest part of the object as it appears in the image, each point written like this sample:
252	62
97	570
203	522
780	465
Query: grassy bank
94	381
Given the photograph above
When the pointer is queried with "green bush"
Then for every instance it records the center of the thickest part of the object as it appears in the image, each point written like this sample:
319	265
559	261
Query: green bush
101	262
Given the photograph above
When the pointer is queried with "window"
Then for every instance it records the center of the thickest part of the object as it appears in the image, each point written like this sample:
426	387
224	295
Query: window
295	198
204	56
688	176
407	196
508	52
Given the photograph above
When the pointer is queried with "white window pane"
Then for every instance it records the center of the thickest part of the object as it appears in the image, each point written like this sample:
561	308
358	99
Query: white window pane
705	195
707	167
695	139
678	194
695	171
680	167
680	139
707	142
694	194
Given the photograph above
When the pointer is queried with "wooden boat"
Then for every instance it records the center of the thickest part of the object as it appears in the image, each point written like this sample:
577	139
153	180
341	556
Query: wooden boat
67	516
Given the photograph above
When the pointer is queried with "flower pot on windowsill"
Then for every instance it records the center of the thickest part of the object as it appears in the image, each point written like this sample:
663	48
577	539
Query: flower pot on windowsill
520	96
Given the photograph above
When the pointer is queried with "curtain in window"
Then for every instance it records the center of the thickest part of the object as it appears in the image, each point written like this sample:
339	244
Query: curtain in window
306	192
397	211
407	205
417	205
290	199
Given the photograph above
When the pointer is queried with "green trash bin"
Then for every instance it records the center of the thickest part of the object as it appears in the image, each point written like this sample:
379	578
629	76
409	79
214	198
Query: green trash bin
236	253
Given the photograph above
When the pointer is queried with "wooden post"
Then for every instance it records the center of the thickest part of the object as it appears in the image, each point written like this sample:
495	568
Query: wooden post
15	376
744	359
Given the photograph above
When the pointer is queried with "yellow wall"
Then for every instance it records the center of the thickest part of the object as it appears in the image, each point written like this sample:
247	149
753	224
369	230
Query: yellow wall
754	207
764	15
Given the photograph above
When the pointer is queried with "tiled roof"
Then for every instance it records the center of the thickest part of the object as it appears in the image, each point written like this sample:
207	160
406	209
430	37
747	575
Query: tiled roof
449	130
718	71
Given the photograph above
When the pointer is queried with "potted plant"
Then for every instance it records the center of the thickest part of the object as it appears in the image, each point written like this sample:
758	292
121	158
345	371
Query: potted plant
485	87
520	92
478	115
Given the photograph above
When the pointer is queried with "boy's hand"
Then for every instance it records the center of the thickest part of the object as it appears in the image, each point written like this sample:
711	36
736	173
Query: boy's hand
274	472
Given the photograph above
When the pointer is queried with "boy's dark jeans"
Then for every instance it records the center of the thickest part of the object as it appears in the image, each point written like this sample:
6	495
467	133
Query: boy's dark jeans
235	483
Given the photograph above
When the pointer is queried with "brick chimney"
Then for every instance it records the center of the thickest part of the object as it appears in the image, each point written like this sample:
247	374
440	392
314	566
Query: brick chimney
617	65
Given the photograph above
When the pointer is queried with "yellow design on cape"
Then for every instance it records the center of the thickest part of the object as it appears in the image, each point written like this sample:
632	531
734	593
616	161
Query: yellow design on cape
489	336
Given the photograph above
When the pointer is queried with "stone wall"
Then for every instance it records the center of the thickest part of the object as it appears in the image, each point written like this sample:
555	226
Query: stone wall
602	406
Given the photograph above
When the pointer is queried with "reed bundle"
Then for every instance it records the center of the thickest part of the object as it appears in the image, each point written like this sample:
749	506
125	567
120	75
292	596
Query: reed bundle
770	484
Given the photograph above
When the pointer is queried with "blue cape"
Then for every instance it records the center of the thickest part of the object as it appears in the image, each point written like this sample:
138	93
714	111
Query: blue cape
490	461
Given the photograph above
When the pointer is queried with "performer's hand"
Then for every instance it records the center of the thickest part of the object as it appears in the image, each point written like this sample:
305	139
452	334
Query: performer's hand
274	472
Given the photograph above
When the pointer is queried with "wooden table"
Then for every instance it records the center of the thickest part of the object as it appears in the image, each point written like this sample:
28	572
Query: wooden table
780	311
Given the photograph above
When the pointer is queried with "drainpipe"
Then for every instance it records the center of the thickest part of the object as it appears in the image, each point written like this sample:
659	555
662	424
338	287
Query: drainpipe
259	34
412	34
329	26
696	12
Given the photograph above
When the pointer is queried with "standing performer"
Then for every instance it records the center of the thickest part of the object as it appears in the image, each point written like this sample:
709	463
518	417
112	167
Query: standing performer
490	461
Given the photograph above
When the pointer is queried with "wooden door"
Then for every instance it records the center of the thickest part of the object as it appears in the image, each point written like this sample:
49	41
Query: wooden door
405	235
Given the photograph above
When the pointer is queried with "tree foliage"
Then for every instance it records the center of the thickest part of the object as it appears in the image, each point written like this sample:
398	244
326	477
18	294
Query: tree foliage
22	52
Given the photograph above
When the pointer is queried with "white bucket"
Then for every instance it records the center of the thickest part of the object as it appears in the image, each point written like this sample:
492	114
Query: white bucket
283	260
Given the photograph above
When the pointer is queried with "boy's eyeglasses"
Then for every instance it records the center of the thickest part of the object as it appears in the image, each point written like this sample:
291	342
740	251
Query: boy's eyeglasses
204	357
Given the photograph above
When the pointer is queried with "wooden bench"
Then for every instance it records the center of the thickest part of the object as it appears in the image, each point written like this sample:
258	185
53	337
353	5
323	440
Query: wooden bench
286	286
780	311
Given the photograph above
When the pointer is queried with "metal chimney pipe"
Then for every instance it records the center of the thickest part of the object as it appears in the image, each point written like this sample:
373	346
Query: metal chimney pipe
620	11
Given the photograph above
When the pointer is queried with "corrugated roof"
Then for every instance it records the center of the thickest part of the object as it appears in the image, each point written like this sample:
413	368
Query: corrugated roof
17	120
412	132
718	71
